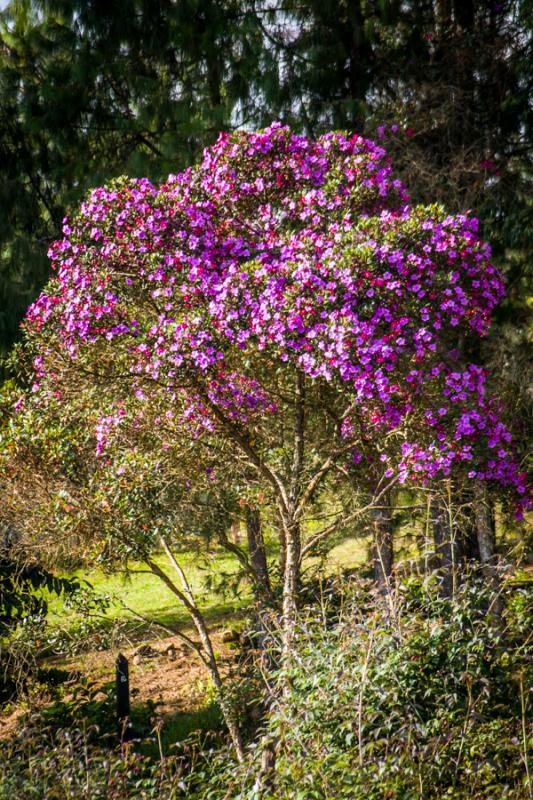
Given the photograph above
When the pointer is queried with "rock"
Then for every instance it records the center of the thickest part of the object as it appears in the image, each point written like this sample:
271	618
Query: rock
145	651
170	652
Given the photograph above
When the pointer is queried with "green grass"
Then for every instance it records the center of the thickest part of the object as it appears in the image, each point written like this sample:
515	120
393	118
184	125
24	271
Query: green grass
349	554
205	720
146	594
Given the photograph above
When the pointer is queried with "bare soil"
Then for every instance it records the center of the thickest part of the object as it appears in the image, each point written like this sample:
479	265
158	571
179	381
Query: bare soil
176	681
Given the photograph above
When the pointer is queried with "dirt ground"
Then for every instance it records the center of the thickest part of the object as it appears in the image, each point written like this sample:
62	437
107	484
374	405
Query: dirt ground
165	671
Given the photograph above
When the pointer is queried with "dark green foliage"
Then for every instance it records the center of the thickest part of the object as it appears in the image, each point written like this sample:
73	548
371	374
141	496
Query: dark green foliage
426	699
21	591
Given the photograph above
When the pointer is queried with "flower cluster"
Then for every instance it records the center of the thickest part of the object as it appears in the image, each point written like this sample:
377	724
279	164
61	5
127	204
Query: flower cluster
279	250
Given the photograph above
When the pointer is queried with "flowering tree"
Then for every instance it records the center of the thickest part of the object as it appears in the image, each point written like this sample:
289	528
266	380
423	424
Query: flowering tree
283	308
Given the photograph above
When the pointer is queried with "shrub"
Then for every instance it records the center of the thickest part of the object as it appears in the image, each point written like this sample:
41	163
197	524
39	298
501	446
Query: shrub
65	765
24	592
427	700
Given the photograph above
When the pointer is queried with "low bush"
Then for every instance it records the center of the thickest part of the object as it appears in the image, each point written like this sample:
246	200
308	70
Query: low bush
66	765
25	588
423	698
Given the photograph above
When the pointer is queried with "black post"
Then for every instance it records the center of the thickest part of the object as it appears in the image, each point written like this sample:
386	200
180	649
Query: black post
123	699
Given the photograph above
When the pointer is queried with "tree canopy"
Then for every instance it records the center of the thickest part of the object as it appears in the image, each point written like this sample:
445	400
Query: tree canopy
89	91
283	310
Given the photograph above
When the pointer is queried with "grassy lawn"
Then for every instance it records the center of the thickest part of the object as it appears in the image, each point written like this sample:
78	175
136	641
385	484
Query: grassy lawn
146	594
348	555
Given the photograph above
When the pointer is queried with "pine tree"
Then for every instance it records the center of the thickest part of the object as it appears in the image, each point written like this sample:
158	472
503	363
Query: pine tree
92	90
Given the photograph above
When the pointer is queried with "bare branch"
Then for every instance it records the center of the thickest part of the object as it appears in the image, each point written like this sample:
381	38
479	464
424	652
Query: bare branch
345	520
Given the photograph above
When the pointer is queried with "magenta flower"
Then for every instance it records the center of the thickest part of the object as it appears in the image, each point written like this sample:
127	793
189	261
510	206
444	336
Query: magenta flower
277	251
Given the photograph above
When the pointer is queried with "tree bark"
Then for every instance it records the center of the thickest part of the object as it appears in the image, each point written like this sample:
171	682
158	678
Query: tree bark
469	539
291	586
382	548
291	526
257	551
443	14
226	706
466	533
207	653
235	532
267	628
265	780
487	555
484	526
282	559
446	548
463	11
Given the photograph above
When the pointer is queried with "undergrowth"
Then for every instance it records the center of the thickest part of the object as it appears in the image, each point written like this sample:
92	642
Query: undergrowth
420	698
415	698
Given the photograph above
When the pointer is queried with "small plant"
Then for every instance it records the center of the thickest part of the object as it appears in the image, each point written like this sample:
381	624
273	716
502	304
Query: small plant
66	765
24	591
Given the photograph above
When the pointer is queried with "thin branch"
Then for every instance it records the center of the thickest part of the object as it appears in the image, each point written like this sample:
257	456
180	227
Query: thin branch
156	569
344	520
239	553
299	438
189	642
186	585
272	477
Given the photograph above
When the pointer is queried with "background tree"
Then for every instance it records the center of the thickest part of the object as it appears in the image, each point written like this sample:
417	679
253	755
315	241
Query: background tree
92	90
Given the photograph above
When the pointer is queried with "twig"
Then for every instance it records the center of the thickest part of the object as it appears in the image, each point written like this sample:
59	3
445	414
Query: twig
189	642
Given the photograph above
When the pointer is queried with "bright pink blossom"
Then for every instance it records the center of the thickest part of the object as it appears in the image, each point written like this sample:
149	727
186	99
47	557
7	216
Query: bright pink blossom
304	252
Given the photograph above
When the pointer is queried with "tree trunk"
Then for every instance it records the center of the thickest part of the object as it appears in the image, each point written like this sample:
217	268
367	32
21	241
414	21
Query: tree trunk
466	533
290	523
382	548
463	11
291	586
469	539
445	545
282	550
235	532
256	548
264	783
443	14
226	706
486	544
267	629
484	526
206	651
